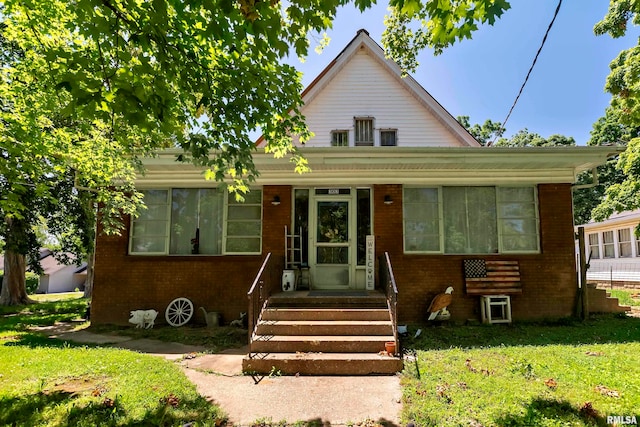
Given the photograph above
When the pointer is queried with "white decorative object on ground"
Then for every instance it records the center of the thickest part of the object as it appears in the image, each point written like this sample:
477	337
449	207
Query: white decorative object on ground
239	322
179	312
143	318
212	318
495	308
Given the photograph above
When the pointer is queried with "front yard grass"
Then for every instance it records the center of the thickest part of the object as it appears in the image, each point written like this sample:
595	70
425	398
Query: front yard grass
566	373
563	374
50	382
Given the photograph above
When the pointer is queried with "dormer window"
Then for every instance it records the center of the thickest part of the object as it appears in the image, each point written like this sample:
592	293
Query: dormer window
388	138
363	132
340	138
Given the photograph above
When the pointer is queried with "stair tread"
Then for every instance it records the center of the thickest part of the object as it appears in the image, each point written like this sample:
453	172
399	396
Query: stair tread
324	356
324	338
325	322
355	309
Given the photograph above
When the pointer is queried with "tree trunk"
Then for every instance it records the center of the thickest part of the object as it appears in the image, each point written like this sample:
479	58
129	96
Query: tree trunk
14	284
14	290
88	284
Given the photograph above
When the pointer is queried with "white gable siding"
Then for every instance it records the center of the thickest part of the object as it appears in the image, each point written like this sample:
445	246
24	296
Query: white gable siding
363	88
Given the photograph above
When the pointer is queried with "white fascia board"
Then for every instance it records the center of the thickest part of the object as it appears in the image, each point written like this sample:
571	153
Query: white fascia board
400	165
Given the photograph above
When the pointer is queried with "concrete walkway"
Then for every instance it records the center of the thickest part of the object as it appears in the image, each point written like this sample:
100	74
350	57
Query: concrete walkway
323	401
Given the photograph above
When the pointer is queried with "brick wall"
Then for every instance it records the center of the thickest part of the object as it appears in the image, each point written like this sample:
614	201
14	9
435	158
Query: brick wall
218	283
548	279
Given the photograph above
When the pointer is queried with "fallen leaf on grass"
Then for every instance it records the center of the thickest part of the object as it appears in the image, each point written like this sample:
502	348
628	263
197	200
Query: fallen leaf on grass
467	363
587	410
551	383
594	353
171	400
605	391
108	403
190	356
441	389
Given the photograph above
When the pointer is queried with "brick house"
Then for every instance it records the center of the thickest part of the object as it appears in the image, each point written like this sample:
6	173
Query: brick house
387	161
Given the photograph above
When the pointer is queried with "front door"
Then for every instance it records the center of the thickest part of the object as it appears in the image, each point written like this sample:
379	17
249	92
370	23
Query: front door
332	240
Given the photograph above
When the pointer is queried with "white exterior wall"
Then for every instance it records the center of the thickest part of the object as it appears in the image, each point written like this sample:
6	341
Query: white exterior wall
625	269
62	280
363	88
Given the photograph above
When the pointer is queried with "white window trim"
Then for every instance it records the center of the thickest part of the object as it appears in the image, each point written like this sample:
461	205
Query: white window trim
167	231
441	222
224	229
498	219
334	131
387	130
374	134
598	244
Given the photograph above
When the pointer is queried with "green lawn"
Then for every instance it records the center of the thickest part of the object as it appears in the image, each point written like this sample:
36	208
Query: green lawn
567	374
627	296
48	382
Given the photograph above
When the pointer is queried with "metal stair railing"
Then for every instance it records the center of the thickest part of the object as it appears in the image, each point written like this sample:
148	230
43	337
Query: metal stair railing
261	289
388	280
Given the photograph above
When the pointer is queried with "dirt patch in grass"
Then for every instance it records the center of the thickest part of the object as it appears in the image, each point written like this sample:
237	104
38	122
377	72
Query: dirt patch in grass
77	386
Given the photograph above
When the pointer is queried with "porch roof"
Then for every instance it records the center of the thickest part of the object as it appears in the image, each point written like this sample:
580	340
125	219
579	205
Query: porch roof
400	165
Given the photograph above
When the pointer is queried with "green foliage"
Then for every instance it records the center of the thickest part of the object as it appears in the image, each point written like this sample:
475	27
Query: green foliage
621	122
524	138
484	133
413	25
523	374
31	282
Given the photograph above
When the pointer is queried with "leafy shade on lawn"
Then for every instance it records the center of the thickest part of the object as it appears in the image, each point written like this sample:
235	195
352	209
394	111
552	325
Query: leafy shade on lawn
48	382
524	375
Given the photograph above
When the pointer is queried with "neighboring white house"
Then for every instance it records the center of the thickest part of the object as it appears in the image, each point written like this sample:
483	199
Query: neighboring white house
58	277
614	249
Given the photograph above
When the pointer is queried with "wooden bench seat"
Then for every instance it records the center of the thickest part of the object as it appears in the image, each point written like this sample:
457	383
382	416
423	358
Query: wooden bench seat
485	277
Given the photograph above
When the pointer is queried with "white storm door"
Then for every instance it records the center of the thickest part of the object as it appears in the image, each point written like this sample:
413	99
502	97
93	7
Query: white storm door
331	257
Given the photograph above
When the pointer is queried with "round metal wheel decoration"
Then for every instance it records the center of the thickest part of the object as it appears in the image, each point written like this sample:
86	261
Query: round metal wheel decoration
179	312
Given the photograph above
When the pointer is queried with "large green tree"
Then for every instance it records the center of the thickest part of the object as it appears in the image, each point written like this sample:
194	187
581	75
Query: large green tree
100	83
483	133
621	122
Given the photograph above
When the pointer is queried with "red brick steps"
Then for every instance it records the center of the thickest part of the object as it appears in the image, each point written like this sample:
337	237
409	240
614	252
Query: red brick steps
327	335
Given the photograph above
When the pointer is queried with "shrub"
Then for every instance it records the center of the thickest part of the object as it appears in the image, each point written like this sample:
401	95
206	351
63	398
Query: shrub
32	282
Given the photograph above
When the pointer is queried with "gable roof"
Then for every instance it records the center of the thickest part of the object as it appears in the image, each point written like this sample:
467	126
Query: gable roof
362	41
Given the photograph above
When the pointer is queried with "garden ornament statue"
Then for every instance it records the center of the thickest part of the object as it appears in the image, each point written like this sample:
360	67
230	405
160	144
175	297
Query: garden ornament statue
143	318
438	307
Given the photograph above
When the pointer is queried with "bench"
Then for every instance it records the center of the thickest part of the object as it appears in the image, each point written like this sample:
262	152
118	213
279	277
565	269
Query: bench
484	277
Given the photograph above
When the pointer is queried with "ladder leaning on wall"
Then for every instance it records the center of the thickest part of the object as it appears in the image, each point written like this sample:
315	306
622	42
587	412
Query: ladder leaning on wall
292	249
293	259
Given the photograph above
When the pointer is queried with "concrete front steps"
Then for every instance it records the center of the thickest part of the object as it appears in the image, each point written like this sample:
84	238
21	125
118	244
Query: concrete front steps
323	335
601	301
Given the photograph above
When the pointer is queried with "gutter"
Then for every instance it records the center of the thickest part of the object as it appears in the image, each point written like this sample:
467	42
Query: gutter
594	174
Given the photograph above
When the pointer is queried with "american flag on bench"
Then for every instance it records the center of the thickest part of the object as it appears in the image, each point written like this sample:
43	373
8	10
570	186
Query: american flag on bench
484	277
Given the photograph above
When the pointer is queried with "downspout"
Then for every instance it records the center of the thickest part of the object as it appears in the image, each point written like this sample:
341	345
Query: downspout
594	173
582	302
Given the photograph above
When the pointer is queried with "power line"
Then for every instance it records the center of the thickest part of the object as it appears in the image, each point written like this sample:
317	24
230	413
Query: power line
544	39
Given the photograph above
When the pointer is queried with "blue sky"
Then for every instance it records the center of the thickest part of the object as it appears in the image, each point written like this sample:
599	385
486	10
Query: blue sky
481	77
